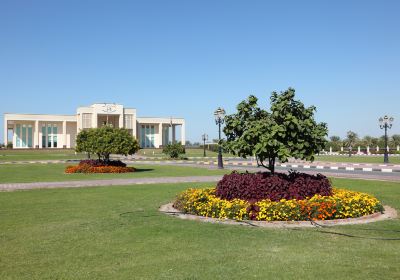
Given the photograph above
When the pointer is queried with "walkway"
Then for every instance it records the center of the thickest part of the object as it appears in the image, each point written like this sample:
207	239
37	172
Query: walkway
110	182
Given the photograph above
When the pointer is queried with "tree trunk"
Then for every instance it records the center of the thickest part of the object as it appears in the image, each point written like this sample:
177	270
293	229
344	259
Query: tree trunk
271	165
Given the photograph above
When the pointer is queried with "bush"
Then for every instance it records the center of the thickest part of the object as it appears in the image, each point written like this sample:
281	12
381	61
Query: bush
259	186
174	150
9	145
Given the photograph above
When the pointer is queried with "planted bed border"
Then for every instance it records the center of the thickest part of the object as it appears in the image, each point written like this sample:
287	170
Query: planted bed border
388	213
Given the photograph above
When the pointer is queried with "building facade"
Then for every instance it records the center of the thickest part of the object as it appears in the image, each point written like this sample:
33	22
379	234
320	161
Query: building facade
59	131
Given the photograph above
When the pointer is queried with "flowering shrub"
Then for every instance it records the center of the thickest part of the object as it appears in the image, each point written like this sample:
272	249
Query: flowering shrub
341	204
87	168
259	186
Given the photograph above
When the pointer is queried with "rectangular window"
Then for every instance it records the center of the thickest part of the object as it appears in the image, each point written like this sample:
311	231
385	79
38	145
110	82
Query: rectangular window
43	136
147	136
30	136
49	136
142	137
18	135
23	136
128	121
55	131
86	120
152	136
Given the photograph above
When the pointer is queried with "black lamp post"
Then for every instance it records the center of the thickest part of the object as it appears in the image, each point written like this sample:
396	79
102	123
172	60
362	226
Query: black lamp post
204	137
385	123
219	115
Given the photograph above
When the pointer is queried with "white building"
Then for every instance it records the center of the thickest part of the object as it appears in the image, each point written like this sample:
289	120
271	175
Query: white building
59	131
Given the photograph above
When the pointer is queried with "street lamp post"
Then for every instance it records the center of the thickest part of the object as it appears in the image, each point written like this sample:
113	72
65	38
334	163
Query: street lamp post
204	137
385	123
219	115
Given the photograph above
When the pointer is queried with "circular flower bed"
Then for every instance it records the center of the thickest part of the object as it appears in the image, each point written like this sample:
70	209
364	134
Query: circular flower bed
341	204
96	166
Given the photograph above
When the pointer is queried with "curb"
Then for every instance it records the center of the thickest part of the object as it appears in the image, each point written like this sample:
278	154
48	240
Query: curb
389	213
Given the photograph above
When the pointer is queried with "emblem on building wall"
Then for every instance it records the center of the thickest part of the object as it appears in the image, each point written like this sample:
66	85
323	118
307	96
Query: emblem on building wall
109	108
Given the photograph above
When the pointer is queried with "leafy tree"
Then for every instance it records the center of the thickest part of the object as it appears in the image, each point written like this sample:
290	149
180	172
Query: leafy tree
368	141
335	142
335	138
395	140
288	130
174	150
106	140
351	140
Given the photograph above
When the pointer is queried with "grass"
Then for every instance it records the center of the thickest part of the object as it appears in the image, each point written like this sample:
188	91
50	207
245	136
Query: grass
358	159
24	173
64	154
190	152
20	155
118	233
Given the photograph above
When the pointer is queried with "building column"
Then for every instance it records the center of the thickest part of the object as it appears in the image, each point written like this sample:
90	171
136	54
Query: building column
121	121
36	135
160	135
173	134
5	131
94	120
64	134
183	138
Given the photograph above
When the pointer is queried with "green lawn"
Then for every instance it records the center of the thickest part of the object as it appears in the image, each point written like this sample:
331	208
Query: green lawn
22	173
63	154
358	159
190	152
118	233
58	154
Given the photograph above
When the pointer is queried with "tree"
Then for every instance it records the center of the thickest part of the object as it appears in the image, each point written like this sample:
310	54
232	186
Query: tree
367	141
288	130
335	143
174	150
351	140
106	140
395	140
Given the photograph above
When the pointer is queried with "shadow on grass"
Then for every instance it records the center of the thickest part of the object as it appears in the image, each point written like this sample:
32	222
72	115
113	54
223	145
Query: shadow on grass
143	169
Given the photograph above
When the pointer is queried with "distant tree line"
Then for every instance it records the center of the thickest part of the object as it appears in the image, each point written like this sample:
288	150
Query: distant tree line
352	141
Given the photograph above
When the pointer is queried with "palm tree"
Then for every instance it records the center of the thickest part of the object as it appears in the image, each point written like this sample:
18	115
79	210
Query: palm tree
351	140
395	140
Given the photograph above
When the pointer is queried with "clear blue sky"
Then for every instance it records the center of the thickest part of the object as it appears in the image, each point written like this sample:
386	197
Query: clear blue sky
185	58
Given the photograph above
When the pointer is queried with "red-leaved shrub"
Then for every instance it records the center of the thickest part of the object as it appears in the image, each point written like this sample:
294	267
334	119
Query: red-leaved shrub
98	163
258	186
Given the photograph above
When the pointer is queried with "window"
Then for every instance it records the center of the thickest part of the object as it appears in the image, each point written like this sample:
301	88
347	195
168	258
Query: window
30	145
147	136
55	131
18	135
43	135
128	121
23	136
142	137
49	135
86	120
